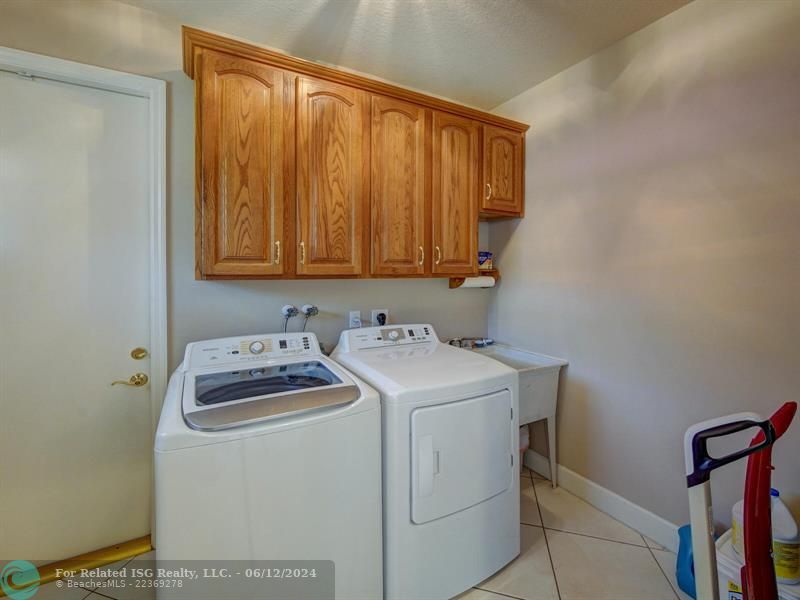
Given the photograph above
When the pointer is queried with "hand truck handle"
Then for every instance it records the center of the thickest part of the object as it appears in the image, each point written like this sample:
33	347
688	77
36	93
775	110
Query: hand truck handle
697	437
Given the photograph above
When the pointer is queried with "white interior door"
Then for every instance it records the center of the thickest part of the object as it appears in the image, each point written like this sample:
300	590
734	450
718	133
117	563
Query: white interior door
75	472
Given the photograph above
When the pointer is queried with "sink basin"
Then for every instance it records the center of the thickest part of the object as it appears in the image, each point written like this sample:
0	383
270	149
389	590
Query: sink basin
521	360
538	389
538	379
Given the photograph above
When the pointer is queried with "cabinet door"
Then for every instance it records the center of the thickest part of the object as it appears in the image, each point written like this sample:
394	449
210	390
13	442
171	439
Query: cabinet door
240	137
398	187
455	195
502	171
332	178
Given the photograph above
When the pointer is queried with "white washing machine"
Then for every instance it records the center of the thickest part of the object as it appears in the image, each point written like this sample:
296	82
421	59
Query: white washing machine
450	478
267	450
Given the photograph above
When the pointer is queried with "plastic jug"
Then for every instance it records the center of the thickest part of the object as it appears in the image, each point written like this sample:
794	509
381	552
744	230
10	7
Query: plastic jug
785	540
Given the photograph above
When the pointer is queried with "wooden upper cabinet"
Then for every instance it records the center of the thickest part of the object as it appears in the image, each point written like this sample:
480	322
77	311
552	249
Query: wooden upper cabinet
332	178
240	162
455	170
503	172
306	171
398	196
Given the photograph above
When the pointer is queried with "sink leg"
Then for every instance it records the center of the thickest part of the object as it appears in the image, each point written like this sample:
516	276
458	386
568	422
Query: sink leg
551	440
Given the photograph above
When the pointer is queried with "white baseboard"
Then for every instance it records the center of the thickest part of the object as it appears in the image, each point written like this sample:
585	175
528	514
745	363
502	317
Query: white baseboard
642	520
536	462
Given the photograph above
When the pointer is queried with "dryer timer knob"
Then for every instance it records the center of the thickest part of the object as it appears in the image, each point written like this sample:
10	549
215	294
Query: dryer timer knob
393	335
257	347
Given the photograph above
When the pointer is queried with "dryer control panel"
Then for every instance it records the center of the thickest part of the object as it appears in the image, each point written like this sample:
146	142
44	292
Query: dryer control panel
365	338
237	350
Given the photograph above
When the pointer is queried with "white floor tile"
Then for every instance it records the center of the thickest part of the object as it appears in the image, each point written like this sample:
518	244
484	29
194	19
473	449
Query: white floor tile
51	591
528	508
110	568
588	568
476	594
532	474
667	560
563	511
530	575
99	596
652	543
130	591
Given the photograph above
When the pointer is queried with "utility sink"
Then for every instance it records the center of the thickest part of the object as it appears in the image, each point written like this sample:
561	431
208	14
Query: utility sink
521	360
538	388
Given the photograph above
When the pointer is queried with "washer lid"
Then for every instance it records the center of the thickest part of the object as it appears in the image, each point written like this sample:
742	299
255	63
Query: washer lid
229	386
220	399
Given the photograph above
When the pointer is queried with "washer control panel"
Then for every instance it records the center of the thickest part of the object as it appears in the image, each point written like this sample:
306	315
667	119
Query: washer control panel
387	335
251	348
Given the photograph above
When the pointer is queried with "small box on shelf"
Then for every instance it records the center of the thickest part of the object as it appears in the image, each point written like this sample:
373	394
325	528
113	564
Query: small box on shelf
485	261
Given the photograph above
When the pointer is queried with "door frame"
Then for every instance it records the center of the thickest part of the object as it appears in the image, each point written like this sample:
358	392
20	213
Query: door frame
28	64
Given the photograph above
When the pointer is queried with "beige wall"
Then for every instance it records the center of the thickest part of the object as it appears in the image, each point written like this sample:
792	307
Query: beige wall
118	36
660	253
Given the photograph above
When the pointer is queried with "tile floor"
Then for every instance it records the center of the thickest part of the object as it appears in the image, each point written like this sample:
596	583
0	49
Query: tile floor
570	551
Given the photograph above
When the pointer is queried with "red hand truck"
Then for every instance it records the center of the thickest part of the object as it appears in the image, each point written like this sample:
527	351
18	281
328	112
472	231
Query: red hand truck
758	572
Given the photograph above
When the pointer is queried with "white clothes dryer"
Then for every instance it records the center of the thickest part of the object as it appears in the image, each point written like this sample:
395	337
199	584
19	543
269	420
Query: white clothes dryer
450	473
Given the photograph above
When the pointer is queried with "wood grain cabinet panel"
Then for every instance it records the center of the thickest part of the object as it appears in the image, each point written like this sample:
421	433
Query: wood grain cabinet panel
307	171
241	160
398	197
332	178
455	169
502	172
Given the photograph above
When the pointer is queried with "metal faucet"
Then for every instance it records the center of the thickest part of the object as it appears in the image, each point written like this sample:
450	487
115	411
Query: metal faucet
470	342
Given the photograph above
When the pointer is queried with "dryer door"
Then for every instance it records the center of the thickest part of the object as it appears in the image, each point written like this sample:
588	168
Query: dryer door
461	455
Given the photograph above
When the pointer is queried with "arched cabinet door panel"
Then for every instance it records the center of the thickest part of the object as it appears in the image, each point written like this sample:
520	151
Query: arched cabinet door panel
398	193
241	158
332	178
502	171
455	169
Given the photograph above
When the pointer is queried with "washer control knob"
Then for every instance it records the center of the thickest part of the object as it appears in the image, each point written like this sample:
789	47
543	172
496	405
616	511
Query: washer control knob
257	347
393	335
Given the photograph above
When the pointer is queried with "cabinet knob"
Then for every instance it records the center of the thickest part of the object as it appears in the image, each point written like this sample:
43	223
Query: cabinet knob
421	255
488	191
278	252
438	254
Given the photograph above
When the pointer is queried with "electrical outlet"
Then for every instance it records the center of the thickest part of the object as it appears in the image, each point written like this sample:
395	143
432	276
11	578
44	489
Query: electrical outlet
355	319
377	313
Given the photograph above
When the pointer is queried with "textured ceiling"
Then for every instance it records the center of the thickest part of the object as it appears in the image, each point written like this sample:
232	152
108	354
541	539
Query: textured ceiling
479	52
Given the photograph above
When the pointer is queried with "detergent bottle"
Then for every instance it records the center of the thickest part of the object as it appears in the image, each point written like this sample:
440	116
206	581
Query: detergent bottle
785	540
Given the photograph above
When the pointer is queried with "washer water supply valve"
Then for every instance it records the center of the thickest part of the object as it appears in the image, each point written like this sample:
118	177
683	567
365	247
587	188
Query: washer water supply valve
309	310
288	311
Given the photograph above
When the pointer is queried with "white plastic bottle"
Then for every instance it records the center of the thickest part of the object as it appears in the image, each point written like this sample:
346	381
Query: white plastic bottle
785	540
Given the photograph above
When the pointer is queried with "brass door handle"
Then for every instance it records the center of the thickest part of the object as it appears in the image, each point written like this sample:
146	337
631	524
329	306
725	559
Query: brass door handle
302	253
136	380
438	254
421	255
278	252
488	191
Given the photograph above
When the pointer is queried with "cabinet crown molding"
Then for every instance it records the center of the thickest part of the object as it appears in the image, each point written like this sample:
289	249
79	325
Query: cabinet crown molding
196	39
